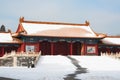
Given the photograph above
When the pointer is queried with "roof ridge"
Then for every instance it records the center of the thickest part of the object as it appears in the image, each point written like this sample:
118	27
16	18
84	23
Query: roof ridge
21	20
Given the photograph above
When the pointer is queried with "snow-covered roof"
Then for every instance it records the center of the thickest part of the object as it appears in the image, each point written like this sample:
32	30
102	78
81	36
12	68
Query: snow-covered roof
54	29
7	38
111	40
58	30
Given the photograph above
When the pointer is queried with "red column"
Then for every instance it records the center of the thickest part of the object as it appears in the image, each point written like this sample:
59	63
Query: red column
19	48
37	47
83	49
97	53
52	48
71	48
2	51
108	50
23	47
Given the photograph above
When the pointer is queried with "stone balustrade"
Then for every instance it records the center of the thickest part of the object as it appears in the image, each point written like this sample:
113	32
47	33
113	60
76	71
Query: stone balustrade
20	59
113	55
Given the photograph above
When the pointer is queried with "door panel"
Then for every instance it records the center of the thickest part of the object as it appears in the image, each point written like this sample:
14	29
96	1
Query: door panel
77	48
61	48
45	48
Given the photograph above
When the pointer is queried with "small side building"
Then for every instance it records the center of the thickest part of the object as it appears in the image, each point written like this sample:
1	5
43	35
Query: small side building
110	44
8	43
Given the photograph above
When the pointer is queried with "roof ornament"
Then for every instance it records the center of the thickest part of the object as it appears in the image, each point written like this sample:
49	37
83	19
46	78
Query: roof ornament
21	19
87	23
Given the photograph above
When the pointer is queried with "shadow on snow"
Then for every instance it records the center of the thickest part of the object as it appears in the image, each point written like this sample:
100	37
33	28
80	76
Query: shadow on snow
79	70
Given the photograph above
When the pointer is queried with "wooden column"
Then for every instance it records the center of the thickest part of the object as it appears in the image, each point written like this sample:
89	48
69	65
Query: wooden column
108	50
71	48
97	53
83	49
23	47
37	47
2	51
19	48
52	47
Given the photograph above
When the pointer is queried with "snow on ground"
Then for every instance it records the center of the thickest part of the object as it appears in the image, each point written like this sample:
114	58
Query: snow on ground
48	68
58	67
98	63
99	68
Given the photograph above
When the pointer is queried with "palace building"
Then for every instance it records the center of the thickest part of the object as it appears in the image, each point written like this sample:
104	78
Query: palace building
55	38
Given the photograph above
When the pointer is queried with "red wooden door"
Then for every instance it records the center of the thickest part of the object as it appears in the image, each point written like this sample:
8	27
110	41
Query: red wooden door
45	48
1	51
61	48
76	48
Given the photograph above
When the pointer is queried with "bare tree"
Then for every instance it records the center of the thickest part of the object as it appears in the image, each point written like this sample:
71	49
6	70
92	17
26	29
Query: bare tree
2	29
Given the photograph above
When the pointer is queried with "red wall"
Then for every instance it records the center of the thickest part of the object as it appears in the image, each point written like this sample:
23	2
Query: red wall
95	46
61	48
33	44
23	46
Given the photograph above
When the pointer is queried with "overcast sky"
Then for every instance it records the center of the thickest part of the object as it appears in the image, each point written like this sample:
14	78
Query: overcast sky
103	15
